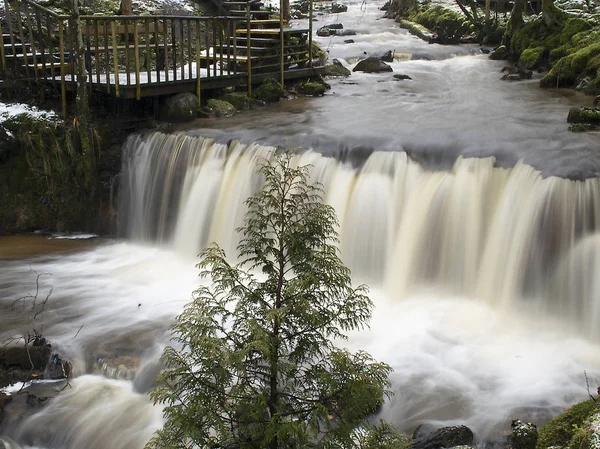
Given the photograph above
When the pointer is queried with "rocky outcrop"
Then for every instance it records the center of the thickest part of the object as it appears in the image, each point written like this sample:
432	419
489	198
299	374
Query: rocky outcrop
330	30
180	108
446	437
218	108
385	56
239	100
372	65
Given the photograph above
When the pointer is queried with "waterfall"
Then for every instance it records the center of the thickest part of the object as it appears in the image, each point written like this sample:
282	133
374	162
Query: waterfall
507	236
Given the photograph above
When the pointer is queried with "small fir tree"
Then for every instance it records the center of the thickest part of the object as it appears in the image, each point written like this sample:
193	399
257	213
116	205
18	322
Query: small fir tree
257	366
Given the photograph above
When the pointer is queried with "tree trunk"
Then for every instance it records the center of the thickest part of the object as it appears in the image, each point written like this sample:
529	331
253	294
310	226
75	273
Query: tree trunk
551	15
126	8
514	23
488	5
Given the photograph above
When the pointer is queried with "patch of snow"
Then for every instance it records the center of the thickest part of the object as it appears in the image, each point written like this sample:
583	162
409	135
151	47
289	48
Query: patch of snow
595	432
8	110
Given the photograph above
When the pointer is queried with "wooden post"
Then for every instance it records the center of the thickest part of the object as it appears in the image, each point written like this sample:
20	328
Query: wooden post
136	57
23	42
248	49
2	54
113	26
61	50
198	62
282	43
10	28
82	104
310	33
33	45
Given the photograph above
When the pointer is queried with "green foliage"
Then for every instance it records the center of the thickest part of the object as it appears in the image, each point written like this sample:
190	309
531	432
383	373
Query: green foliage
382	436
532	56
256	366
560	430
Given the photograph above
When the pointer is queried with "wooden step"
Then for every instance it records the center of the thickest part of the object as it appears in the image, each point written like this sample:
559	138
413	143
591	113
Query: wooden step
256	40
253	5
8	48
242	14
48	66
272	31
28	55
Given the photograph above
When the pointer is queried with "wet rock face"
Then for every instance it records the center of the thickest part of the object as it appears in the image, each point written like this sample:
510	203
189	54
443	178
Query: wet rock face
446	437
372	65
584	119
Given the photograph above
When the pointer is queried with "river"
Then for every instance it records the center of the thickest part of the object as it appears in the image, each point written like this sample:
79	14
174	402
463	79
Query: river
463	201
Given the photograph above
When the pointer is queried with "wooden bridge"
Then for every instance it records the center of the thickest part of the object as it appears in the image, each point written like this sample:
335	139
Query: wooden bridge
152	55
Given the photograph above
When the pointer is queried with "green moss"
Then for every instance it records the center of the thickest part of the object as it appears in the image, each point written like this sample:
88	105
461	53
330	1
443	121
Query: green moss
532	56
270	91
572	27
314	89
336	70
238	99
220	108
560	430
449	25
570	68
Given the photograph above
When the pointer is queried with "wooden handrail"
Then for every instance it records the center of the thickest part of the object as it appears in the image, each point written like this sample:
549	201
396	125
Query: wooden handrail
46	10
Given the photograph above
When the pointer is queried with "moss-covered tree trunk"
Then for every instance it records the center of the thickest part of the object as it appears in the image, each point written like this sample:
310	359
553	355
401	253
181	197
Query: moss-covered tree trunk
514	23
551	15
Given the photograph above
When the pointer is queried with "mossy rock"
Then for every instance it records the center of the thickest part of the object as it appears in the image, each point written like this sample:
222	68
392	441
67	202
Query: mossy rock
584	115
448	24
337	70
270	91
560	430
570	68
239	100
532	58
572	27
313	89
220	108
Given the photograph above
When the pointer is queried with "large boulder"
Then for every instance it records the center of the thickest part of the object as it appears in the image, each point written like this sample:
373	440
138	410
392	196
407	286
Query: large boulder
446	437
372	65
180	108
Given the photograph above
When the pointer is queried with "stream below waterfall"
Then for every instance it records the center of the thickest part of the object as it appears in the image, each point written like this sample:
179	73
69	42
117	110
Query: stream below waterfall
463	201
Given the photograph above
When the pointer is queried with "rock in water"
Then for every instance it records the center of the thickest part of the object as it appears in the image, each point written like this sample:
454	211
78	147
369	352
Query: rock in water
499	53
446	437
372	65
386	56
402	77
523	435
338	7
181	107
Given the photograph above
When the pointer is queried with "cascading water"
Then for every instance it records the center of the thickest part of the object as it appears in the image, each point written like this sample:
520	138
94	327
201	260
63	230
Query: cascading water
494	234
